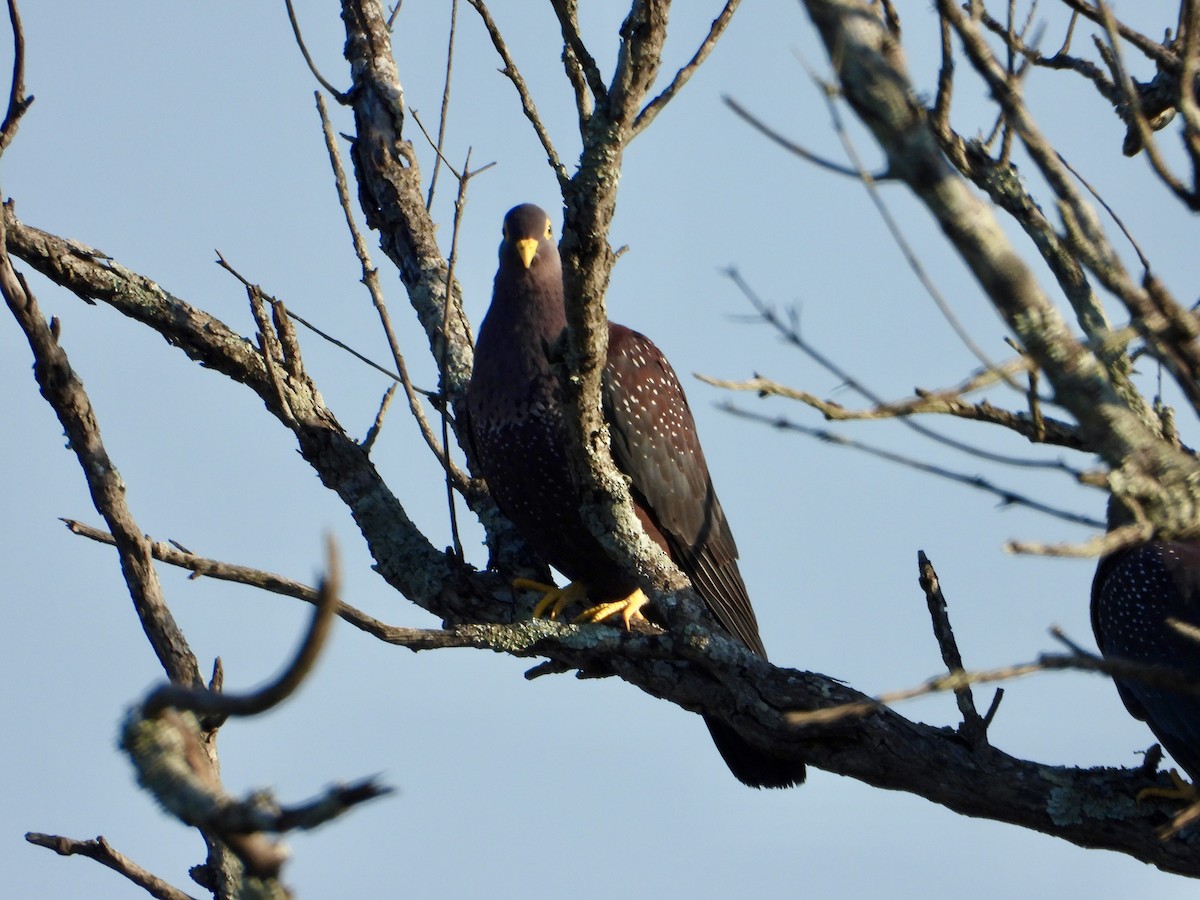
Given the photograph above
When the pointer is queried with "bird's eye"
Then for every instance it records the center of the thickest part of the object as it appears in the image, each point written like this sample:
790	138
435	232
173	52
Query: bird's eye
549	230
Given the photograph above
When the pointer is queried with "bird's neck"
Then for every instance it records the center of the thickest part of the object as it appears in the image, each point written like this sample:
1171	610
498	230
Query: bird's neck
533	308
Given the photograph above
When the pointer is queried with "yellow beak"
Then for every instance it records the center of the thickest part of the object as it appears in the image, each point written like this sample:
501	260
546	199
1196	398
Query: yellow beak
526	248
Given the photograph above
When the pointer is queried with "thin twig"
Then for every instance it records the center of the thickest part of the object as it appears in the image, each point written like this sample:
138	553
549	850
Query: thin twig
102	852
513	74
258	578
441	137
368	440
1099	545
1077	660
973	726
790	331
792	147
1151	48
342	345
18	101
370	278
940	115
1111	212
897	233
655	106
1007	497
340	96
460	202
391	19
1032	426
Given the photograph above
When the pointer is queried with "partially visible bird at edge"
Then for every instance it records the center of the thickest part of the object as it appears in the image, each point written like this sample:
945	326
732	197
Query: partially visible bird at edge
515	405
1134	593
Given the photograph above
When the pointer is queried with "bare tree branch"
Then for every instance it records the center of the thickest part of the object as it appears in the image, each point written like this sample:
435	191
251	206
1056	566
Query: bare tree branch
973	727
312	66
257	578
513	74
164	741
220	704
655	106
65	393
872	74
946	402
789	328
370	277
568	21
1006	496
18	101
798	714
1150	48
443	115
794	148
102	852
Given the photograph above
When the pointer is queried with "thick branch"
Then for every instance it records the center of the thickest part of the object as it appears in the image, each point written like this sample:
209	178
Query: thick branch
701	671
591	200
390	193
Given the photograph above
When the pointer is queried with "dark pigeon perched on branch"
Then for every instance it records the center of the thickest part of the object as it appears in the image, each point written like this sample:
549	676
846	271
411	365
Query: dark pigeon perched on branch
515	406
1134	593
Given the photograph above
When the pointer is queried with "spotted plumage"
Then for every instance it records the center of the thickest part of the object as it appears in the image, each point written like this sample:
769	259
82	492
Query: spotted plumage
1134	592
515	405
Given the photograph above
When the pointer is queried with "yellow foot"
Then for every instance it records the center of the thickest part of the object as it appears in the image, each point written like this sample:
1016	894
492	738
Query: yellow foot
630	610
554	600
1179	790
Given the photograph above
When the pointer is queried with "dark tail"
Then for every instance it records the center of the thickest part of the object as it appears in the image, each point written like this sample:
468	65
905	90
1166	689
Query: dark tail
751	766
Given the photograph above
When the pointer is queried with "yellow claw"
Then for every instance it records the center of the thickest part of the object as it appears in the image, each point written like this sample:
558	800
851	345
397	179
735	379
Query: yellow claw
554	599
630	610
1179	790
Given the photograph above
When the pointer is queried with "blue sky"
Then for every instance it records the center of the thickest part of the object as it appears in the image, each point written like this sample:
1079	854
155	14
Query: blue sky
161	134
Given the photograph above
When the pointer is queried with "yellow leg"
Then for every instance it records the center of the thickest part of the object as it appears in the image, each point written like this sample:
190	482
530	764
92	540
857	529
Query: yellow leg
1179	790
554	600
630	610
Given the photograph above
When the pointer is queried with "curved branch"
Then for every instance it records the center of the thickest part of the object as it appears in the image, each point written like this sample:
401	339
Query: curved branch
218	703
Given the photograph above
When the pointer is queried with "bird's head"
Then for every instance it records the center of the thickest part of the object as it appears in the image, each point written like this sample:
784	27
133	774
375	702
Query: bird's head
528	238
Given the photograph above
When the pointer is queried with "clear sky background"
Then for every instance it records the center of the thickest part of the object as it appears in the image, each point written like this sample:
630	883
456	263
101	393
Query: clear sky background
163	132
